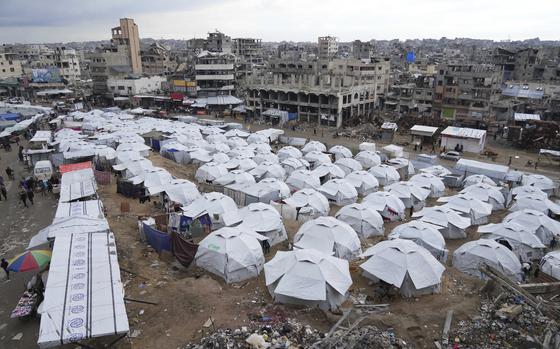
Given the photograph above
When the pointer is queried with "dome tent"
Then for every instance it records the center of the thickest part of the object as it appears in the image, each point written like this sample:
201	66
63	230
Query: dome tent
525	190
309	203
265	220
430	182
472	255
289	152
269	169
340	152
314	146
209	172
543	226
221	209
233	253
364	182
535	202
301	179
308	277
411	194
550	264
469	206
388	205
368	159
425	235
486	193
293	164
281	187
348	165
328	235
542	182
523	241
235	176
326	172
339	191
478	178
316	159
405	265
452	224
363	219
385	174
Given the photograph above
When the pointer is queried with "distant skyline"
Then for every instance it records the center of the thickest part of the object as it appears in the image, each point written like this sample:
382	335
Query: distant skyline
36	21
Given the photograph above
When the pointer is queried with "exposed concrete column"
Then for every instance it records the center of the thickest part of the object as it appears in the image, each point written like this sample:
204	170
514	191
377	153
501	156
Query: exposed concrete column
298	105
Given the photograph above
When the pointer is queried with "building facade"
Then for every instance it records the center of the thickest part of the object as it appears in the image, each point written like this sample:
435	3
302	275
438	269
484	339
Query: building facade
10	66
126	34
157	60
132	86
215	74
68	63
327	47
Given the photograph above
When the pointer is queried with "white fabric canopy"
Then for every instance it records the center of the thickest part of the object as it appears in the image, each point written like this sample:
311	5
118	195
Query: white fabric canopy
486	193
469	206
348	165
314	146
265	220
430	182
425	235
339	191
545	227
387	204
340	152
289	152
302	179
364	182
368	159
478	178
309	202
385	174
209	172
363	219
411	194
452	224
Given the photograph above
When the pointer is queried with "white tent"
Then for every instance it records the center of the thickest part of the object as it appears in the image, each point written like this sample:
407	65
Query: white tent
261	157
142	148
316	158
363	219
348	165
410	193
235	176
523	241
233	253
550	264
260	148
293	164
245	152
236	133
126	156
265	220
220	158
329	235
314	146
235	142
339	191
387	204
472	255
364	182
385	174
309	203
405	265
134	167
469	206
221	209
486	193
478	178
452	224
431	182
425	235
340	152
241	162
329	171
209	172
402	163
257	138
269	169
278	185
89	208
436	170
366	146
69	225
543	226
368	159
219	138
308	277
535	202
181	191
154	179
525	190
289	152
301	179
542	182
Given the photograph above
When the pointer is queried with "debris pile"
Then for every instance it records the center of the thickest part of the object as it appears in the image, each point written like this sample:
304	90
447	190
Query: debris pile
361	337
508	323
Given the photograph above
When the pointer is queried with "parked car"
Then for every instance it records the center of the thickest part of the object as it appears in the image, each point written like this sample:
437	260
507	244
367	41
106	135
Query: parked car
451	155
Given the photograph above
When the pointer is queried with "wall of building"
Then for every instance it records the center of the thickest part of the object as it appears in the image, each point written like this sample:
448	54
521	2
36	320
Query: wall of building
9	66
130	87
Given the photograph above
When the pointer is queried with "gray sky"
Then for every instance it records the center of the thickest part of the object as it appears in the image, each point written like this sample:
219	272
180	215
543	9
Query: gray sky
275	20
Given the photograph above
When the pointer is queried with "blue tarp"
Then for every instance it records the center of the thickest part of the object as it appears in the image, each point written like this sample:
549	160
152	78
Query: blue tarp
158	240
10	116
410	57
292	116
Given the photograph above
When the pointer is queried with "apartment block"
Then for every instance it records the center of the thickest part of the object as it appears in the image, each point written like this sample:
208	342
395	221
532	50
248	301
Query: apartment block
215	74
68	62
328	47
10	66
157	60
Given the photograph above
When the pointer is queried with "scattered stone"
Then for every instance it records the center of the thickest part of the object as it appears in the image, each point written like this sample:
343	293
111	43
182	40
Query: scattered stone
135	333
18	336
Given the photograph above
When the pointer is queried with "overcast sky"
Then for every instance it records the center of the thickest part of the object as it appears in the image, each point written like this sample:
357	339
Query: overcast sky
275	20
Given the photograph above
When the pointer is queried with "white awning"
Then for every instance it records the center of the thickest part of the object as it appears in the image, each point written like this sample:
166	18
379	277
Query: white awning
84	292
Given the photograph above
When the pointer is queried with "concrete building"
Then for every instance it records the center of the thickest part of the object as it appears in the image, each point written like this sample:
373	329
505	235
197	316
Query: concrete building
362	50
464	91
127	34
129	87
416	96
68	63
333	94
157	60
10	66
249	56
215	74
328	47
218	42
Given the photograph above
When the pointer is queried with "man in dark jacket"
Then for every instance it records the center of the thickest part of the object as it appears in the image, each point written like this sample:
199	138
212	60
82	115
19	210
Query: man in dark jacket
4	265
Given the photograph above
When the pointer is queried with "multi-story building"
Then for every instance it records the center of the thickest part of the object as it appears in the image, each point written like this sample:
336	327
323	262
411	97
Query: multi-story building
330	94
118	59
10	66
156	60
416	96
218	42
215	74
362	50
465	91
328	47
127	34
68	63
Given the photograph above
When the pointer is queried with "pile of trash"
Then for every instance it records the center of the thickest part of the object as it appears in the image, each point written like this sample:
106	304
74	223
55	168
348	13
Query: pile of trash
289	334
292	335
510	323
361	337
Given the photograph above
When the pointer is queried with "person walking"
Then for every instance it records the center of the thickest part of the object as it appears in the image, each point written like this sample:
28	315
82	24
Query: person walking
266	246
10	173
3	192
30	195
23	197
4	265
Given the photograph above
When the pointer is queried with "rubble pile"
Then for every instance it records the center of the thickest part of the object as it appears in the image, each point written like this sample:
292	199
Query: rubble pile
279	335
361	337
511	323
